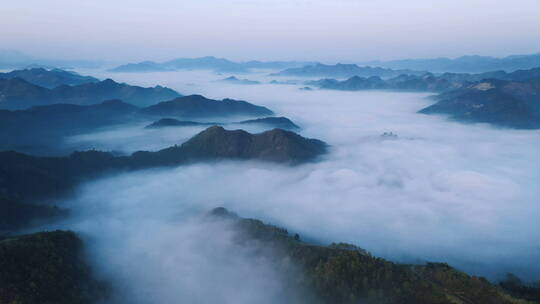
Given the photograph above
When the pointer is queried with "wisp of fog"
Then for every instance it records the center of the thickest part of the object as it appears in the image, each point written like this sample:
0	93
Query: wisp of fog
466	194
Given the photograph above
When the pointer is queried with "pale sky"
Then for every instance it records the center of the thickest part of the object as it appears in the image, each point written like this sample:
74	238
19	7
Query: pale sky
325	30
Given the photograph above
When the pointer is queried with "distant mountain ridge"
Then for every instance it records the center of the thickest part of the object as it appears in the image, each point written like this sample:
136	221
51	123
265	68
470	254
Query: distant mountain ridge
49	78
464	64
235	80
141	67
276	122
205	63
511	101
200	106
16	93
343	71
422	83
171	122
272	122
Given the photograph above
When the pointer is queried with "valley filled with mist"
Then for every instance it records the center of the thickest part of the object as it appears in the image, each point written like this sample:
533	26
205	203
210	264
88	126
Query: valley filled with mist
438	191
407	187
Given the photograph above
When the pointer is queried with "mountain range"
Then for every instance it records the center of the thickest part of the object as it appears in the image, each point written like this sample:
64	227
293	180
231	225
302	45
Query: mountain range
16	93
275	122
44	106
141	67
200	106
206	63
345	273
235	80
49	78
464	64
424	83
514	104
427	82
499	98
25	177
276	145
343	71
338	273
42	129
271	122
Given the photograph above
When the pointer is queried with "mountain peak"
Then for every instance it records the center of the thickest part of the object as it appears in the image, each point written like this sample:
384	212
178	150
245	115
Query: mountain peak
109	81
276	145
200	106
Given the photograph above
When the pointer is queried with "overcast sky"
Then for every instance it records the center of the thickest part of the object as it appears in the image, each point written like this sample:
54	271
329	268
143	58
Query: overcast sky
326	30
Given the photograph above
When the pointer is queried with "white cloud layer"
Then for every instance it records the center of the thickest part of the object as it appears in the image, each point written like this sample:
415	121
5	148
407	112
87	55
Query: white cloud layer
443	191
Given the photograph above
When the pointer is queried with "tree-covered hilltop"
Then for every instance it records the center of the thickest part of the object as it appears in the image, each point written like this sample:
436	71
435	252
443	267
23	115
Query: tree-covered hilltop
344	273
275	122
216	143
46	268
513	104
197	106
27	177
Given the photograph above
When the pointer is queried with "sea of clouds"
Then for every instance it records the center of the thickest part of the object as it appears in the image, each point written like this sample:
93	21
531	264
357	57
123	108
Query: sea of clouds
466	194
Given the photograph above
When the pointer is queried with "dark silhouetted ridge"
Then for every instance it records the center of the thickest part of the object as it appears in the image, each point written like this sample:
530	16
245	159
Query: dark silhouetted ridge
235	80
141	67
49	78
171	122
200	106
514	104
268	122
42	129
29	177
343	70
275	145
17	93
276	122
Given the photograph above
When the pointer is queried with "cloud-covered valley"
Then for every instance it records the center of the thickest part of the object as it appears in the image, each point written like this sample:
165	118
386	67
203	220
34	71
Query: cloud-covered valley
465	194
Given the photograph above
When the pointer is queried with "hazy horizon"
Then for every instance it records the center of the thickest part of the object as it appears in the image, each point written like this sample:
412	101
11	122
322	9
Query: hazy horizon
346	30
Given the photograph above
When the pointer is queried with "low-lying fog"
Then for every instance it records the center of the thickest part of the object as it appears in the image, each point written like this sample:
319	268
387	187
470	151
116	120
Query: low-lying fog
442	191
